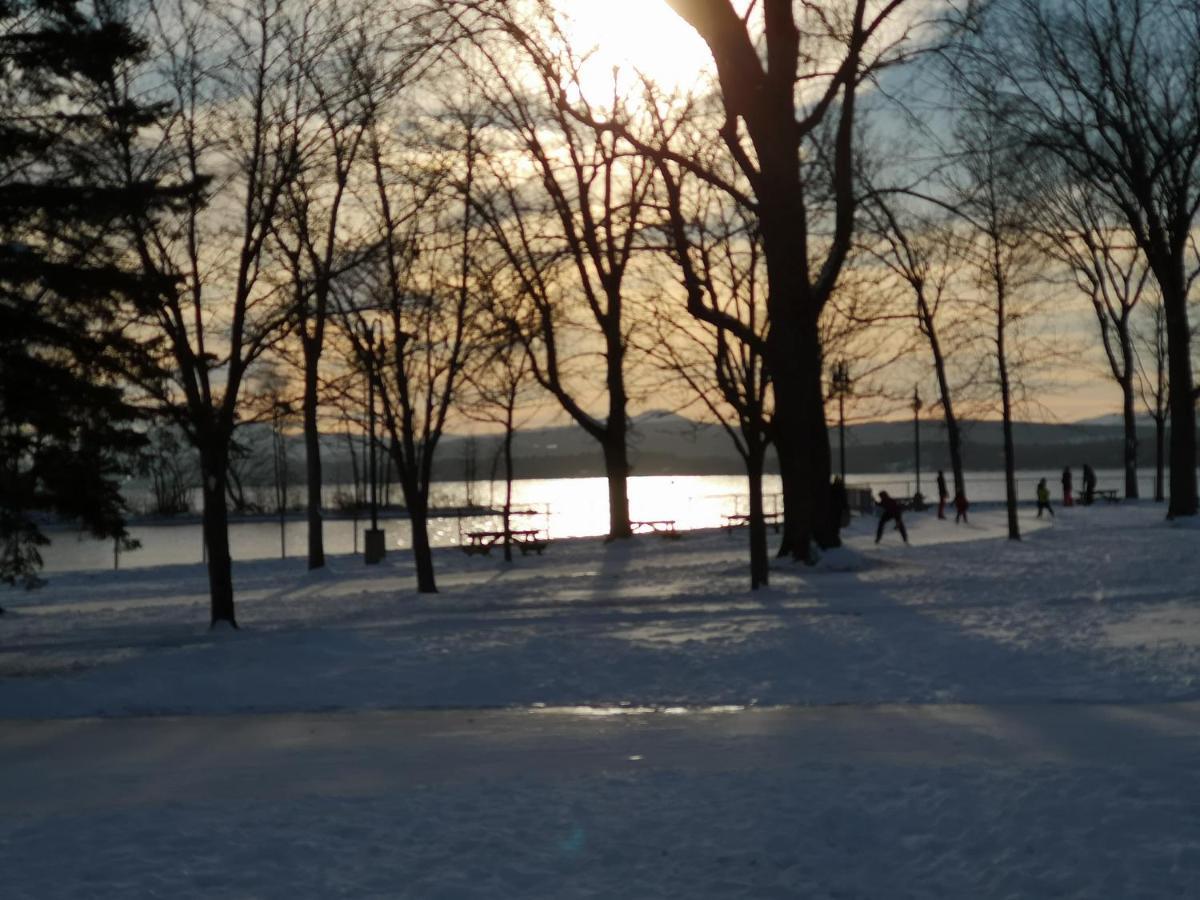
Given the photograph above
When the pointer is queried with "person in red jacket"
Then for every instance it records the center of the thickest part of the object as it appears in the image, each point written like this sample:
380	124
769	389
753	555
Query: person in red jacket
891	513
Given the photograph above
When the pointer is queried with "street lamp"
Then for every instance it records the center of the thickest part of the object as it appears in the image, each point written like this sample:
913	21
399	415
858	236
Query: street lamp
374	545
839	378
916	407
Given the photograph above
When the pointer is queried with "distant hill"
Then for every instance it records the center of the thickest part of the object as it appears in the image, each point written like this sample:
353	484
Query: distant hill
665	443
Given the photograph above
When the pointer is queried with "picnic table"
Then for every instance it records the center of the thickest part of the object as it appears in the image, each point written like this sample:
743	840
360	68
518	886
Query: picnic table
737	520
1107	494
665	527
528	540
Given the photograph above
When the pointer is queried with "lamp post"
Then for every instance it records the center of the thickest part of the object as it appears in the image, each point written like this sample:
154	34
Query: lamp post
916	407
840	383
374	545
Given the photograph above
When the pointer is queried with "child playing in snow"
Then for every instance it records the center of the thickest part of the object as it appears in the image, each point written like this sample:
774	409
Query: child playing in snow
960	508
891	513
1043	499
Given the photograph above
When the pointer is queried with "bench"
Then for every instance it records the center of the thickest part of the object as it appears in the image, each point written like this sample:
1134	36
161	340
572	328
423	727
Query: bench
738	520
1109	495
664	527
527	540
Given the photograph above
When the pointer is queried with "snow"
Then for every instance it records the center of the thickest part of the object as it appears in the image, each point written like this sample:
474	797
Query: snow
963	717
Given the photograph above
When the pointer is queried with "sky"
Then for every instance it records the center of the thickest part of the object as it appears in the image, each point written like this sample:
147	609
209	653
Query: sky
647	36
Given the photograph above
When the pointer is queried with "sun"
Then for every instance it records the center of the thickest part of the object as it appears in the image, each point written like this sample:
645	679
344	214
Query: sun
635	37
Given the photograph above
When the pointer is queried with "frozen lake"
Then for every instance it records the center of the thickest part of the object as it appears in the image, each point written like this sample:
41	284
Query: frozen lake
566	507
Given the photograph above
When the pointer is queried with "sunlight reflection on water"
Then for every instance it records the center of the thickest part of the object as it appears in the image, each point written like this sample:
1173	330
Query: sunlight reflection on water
564	507
614	711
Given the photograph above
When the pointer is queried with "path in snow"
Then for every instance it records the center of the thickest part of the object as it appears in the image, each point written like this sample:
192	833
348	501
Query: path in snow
110	763
1030	801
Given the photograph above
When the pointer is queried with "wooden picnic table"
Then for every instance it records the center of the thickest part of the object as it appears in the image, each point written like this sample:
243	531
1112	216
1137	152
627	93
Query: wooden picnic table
527	539
1107	494
737	520
665	527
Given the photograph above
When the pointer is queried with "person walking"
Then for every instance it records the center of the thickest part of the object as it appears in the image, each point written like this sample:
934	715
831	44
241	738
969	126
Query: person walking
1089	485
891	513
1068	500
943	494
1043	499
960	508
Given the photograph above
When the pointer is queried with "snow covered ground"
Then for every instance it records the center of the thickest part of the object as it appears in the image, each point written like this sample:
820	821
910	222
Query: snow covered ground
965	717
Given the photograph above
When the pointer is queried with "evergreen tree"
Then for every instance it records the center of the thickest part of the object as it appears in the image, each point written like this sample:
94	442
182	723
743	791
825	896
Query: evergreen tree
67	431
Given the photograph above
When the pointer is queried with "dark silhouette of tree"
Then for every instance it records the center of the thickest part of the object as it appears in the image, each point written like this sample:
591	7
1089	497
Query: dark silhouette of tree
312	235
987	192
789	76
1153	386
499	388
230	128
67	429
569	227
410	311
919	252
719	255
1083	233
1111	89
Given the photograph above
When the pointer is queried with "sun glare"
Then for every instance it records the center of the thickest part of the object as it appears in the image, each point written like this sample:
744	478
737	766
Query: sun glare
634	36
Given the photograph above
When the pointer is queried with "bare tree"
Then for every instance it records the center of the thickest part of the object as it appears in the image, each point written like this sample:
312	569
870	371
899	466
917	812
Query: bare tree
309	234
1004	263
1086	236
499	387
719	254
1112	89
216	313
919	252
789	76
419	287
1153	385
569	228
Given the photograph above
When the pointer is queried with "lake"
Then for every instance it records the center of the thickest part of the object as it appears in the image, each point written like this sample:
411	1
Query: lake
564	507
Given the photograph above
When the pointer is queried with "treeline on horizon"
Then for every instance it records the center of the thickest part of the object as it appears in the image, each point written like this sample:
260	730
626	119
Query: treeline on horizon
392	218
673	446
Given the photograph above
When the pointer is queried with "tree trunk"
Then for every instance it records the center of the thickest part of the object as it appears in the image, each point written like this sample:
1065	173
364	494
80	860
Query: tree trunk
1131	436
1183	500
1010	462
1160	411
616	469
826	527
1010	474
788	433
312	456
508	485
214	469
953	438
793	357
422	552
614	442
1160	458
760	566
